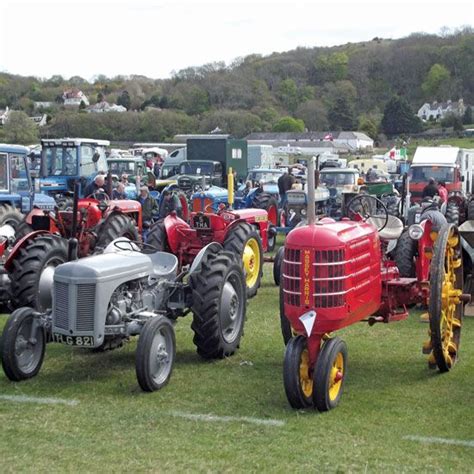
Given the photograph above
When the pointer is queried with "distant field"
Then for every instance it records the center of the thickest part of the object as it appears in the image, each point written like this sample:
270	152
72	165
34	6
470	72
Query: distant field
460	142
390	397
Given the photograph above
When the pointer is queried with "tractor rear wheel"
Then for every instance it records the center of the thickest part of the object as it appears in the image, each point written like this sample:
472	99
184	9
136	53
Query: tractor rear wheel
446	308
329	374
10	215
470	210
297	378
156	352
33	269
277	263
218	305
116	226
22	350
270	204
157	237
404	255
452	213
23	229
245	243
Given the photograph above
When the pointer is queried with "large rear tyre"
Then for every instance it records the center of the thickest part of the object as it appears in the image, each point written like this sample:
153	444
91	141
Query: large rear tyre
156	351
22	229
329	374
452	213
157	237
245	243
404	255
445	308
10	215
116	226
297	378
219	305
270	204
33	270
277	265
22	346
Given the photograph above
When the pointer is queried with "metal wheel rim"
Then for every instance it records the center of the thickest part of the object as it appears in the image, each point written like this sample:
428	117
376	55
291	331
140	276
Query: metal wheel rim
336	374
231	309
161	355
306	382
45	284
27	351
251	258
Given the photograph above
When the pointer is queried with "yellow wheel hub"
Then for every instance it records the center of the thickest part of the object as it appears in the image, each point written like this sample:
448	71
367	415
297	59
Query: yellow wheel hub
306	381
251	259
336	376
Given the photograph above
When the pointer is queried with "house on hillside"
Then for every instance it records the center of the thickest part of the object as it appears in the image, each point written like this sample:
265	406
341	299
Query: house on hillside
104	106
40	120
438	110
43	105
4	116
74	97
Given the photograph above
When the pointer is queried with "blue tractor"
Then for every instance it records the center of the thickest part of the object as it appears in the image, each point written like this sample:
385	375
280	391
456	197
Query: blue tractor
17	196
67	160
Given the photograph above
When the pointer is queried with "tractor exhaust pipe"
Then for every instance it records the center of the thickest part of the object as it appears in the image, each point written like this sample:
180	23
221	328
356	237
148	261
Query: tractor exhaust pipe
313	165
73	243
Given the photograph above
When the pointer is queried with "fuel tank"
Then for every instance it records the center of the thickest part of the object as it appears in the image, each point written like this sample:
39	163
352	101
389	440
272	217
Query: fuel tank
332	269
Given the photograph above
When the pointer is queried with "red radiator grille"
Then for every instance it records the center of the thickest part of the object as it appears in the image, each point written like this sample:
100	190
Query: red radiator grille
329	278
292	277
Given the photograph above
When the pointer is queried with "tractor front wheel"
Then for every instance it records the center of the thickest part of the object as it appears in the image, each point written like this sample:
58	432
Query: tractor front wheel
297	377
23	345
218	305
116	226
446	308
277	264
32	271
245	243
329	374
156	351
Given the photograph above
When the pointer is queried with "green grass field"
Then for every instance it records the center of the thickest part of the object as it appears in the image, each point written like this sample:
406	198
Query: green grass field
390	394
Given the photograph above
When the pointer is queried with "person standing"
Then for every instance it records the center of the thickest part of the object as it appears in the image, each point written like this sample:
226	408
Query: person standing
430	190
149	206
442	191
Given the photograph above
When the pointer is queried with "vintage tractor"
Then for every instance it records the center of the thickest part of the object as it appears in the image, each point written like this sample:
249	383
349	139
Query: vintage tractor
243	232
334	274
94	221
100	301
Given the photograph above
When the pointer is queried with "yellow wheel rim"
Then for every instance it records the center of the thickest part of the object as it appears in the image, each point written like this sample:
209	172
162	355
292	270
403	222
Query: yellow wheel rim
251	258
306	381
336	375
450	299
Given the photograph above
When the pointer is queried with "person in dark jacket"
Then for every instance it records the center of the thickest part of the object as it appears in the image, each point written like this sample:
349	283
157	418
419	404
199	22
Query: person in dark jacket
285	182
95	186
431	189
149	206
119	192
169	202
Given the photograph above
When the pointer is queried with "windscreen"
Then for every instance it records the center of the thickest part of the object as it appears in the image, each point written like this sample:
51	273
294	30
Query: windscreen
264	177
195	167
19	179
3	172
60	161
122	167
168	171
337	179
422	174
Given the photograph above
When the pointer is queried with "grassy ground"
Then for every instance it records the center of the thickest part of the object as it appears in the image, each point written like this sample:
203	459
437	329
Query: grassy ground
389	394
465	142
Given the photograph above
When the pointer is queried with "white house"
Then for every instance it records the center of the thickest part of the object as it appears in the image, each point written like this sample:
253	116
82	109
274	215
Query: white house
40	120
74	97
438	110
104	106
43	105
355	141
4	115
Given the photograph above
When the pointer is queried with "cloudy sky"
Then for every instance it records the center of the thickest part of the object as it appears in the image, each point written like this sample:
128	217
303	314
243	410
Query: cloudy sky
155	37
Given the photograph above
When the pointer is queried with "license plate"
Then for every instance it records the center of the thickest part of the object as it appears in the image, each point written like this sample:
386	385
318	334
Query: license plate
85	341
201	222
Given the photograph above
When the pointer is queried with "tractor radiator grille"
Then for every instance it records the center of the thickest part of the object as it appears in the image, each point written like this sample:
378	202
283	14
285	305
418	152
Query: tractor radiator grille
329	277
85	307
184	184
292	276
61	305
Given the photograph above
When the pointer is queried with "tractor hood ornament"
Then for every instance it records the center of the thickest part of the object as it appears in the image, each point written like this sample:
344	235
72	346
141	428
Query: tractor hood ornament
308	319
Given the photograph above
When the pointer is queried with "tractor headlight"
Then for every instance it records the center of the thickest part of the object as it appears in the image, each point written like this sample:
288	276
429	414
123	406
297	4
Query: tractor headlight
303	212
415	231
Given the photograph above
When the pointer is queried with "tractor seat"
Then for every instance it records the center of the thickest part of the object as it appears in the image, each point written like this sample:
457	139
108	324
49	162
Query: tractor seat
165	265
392	231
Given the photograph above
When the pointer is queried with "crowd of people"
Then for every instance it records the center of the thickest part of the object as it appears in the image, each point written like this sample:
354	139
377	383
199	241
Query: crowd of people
434	188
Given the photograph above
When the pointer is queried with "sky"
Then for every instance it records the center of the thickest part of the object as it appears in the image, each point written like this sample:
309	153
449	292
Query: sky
155	37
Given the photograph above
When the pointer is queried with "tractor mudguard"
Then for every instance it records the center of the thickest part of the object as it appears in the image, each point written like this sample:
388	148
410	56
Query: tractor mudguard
33	212
20	244
125	206
231	226
213	247
172	226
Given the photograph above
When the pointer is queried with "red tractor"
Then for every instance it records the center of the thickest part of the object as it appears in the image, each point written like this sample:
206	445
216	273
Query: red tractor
335	274
94	221
243	232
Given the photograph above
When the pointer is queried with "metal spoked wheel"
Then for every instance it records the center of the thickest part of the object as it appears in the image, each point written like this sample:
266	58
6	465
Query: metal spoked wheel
446	308
156	353
297	377
23	345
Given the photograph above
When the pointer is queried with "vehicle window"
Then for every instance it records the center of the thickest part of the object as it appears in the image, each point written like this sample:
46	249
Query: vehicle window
3	172
337	179
61	161
197	167
19	180
420	174
264	177
122	167
218	169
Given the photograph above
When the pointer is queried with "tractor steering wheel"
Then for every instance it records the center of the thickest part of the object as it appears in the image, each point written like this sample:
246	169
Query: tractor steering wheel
99	195
367	208
125	245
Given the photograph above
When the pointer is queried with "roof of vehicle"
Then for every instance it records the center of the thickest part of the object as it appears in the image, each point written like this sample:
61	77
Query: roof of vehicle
5	148
155	149
75	141
340	170
126	158
198	161
429	155
267	170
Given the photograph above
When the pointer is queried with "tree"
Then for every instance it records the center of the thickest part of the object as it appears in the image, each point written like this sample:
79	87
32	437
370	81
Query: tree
124	100
20	129
238	123
288	94
398	117
289	124
314	114
331	67
467	117
100	97
368	126
341	115
82	105
437	82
